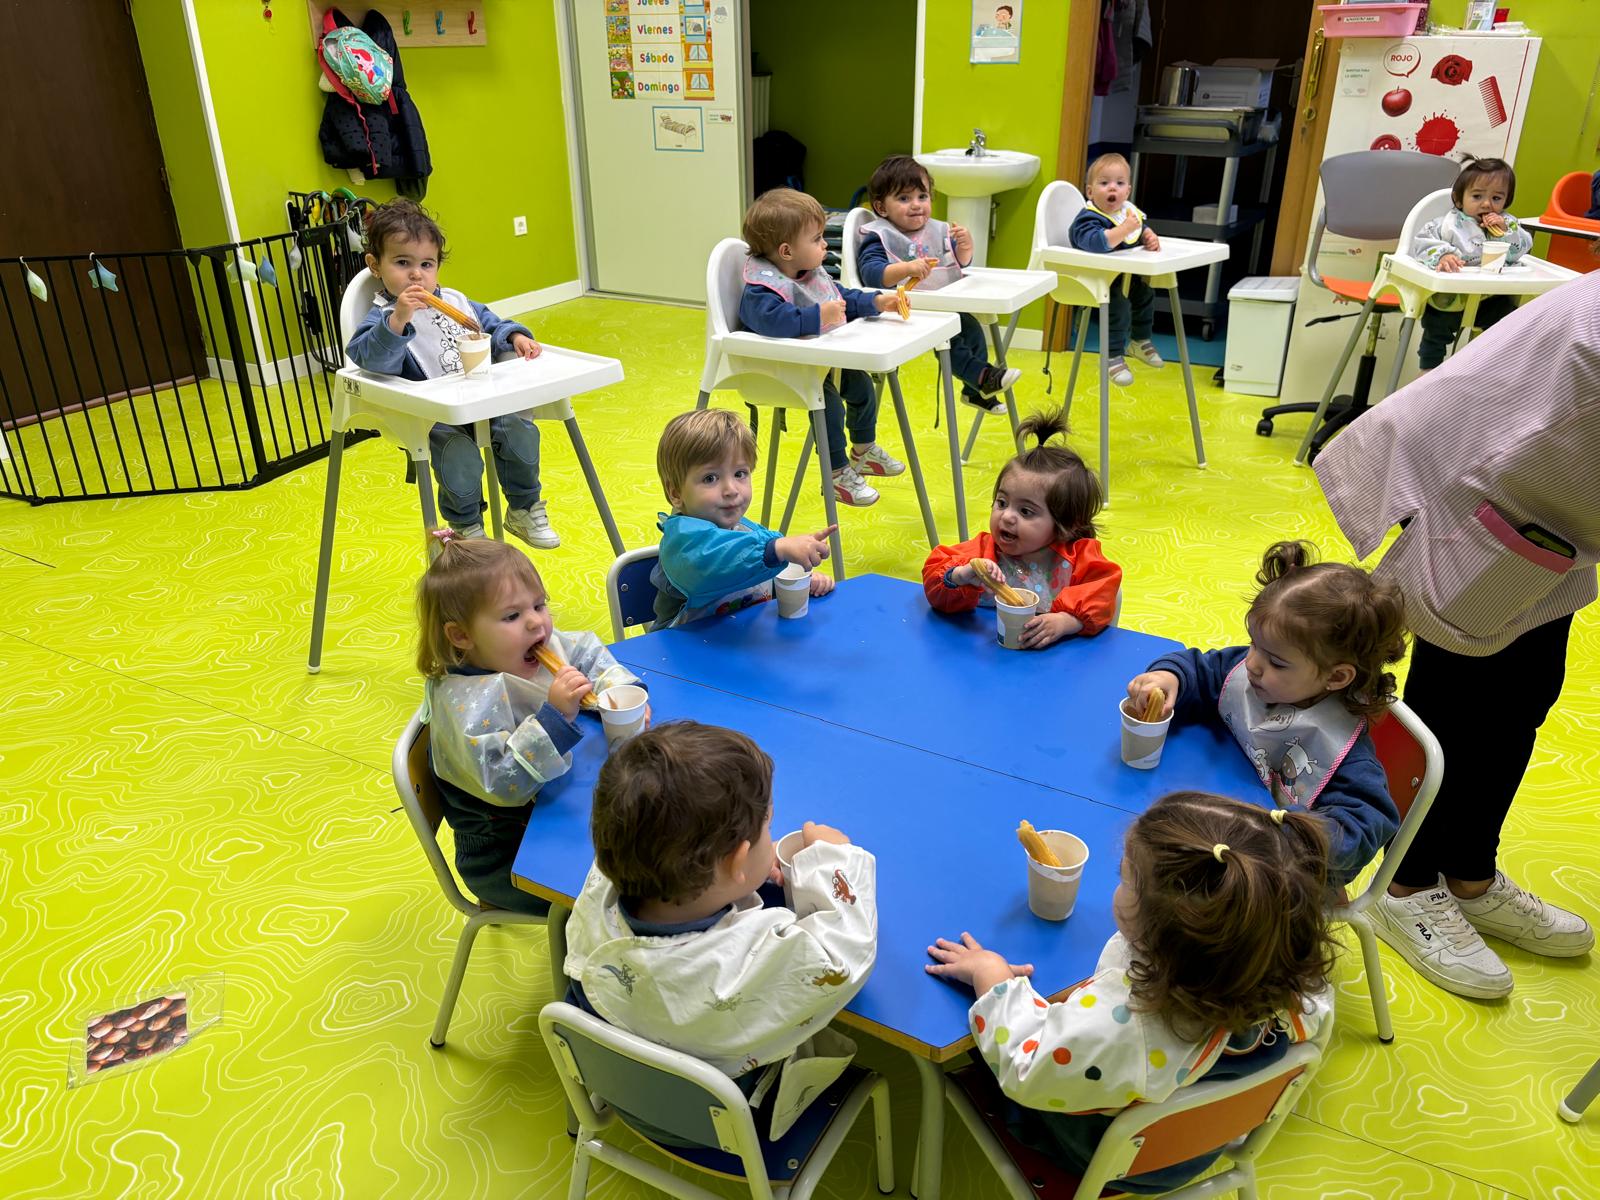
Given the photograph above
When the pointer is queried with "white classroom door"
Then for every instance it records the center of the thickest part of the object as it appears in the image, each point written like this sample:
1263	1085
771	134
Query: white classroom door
660	88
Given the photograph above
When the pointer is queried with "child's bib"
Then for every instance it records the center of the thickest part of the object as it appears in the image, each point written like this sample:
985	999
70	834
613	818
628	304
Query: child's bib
1295	751
931	241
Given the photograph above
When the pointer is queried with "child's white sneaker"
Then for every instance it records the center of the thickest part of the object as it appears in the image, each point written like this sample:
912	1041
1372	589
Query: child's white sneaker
876	461
532	525
1147	353
1513	915
849	488
1429	931
1120	375
474	530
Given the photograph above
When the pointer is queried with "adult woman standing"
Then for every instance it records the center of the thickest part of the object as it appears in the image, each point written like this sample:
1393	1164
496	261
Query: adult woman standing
1490	464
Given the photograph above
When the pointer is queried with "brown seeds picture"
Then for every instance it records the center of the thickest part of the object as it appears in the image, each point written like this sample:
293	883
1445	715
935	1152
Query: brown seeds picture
139	1031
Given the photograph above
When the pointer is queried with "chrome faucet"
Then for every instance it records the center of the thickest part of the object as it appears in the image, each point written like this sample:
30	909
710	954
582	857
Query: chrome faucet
979	142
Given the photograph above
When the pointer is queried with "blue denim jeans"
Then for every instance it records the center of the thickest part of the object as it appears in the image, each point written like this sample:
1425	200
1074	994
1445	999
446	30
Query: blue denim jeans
1440	326
853	405
969	354
459	467
1136	309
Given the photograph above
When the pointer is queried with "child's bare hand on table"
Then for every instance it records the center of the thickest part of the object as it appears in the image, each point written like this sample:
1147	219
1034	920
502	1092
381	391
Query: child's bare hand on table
805	549
832	313
968	962
1150	241
525	346
1450	264
1047	629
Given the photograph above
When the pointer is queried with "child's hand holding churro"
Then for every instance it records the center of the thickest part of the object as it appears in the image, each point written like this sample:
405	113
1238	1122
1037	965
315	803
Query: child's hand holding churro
406	306
1143	690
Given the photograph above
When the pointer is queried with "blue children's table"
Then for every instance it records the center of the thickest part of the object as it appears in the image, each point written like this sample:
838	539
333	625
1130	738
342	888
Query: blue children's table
925	741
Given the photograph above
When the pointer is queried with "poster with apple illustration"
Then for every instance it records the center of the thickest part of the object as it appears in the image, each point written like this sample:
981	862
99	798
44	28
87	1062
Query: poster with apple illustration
1451	96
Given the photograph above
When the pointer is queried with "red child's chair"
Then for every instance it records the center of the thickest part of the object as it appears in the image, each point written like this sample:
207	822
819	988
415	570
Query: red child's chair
1569	200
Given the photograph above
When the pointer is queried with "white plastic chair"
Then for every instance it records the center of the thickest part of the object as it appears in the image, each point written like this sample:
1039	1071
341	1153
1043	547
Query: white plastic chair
612	1076
1413	762
788	373
1238	1116
419	794
629	594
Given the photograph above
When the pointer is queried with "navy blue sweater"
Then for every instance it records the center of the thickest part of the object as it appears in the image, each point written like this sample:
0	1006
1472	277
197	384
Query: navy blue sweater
1355	801
763	311
1089	229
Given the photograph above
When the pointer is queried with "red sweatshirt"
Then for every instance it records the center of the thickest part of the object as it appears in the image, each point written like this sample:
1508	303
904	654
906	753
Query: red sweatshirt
1086	581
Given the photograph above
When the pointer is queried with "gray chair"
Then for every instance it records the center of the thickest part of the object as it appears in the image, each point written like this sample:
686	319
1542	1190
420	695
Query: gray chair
1366	195
419	795
703	1119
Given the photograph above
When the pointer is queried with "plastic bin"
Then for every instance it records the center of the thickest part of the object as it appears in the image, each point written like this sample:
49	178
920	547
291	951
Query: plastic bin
1260	316
1370	20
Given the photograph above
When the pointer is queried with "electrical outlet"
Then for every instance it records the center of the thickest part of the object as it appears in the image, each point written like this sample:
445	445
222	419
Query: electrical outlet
519	226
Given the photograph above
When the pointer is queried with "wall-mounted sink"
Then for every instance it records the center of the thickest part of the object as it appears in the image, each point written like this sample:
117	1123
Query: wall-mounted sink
959	175
971	180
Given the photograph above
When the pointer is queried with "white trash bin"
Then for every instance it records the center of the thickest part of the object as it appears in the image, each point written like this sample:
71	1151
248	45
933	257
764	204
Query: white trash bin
1260	316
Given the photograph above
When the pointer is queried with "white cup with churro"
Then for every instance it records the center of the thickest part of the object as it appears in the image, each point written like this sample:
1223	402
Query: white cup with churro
622	712
793	588
1011	619
475	354
1053	890
1142	740
788	846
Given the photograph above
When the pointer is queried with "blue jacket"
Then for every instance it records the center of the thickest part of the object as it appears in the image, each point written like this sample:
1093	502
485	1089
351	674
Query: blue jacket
1355	802
763	311
1089	229
376	347
701	562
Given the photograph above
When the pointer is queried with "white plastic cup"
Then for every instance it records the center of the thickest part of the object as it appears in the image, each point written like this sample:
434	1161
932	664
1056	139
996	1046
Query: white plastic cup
1011	619
788	846
793	587
622	712
475	356
1053	891
1494	256
1142	741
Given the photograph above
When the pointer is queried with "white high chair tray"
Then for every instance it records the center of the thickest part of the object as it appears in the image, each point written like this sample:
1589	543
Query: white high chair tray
1176	254
989	290
514	385
872	344
1528	276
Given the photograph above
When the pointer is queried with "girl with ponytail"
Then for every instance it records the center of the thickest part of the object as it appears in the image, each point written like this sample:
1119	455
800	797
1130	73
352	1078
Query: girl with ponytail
1299	697
1220	962
1041	537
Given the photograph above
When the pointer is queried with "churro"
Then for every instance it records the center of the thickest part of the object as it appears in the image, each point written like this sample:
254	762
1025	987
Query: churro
1153	704
1038	849
550	662
1003	591
451	311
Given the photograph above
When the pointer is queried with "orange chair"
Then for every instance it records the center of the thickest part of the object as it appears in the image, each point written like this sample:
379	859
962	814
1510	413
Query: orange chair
1569	200
1237	1116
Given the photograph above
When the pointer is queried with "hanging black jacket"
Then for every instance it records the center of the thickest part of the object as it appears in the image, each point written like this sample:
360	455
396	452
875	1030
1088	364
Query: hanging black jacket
392	137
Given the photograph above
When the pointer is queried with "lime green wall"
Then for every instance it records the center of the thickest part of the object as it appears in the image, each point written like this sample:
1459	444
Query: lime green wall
164	50
1019	107
866	114
492	113
1555	137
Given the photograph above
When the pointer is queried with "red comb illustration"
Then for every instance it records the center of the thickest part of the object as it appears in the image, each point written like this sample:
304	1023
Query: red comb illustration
1494	104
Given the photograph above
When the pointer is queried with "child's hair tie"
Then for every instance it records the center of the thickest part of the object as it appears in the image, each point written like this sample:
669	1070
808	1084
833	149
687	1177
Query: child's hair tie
1278	814
1216	851
445	533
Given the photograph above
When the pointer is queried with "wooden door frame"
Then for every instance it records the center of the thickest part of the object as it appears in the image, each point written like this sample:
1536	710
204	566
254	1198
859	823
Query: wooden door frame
1077	104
